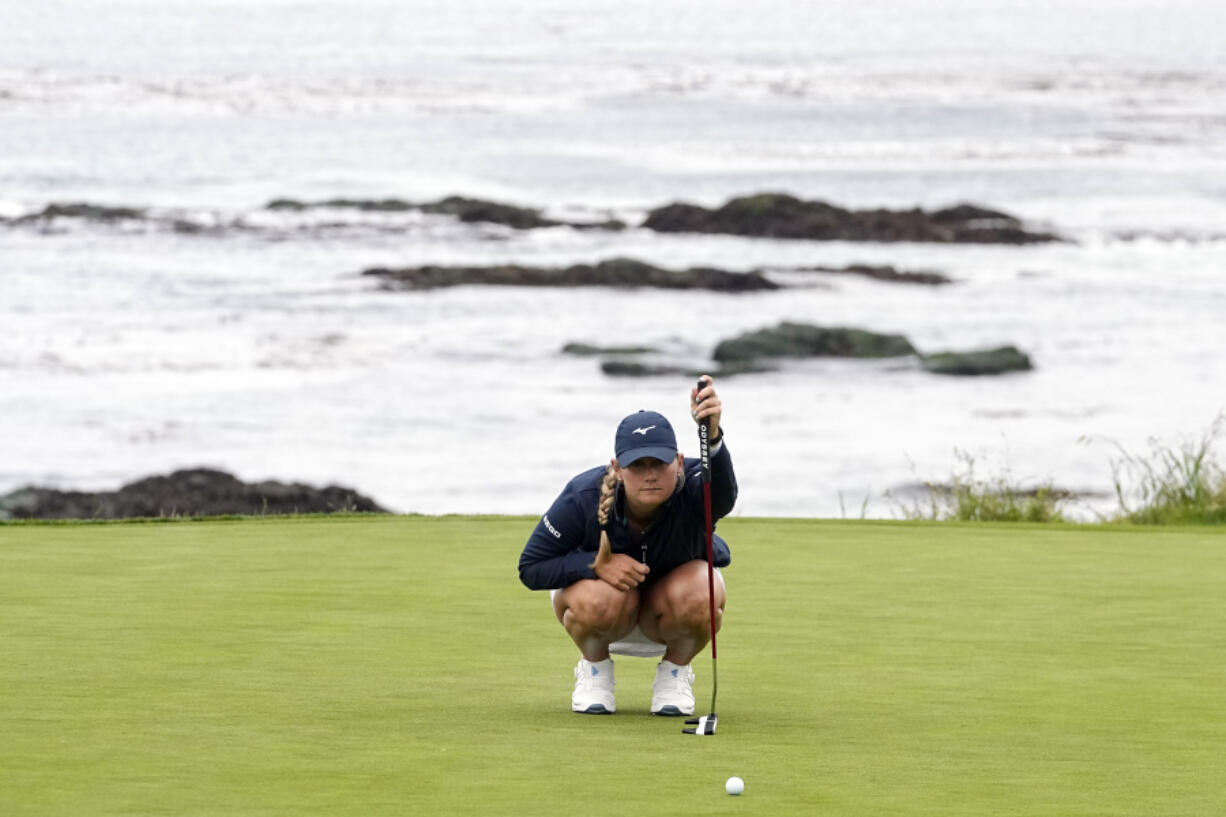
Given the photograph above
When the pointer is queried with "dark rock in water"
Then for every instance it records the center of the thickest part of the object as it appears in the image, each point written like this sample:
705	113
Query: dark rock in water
465	209
631	368
293	205
586	350
778	215
87	212
471	210
364	205
613	225
197	492
888	274
969	214
980	362
618	272
680	217
1000	235
805	340
978	225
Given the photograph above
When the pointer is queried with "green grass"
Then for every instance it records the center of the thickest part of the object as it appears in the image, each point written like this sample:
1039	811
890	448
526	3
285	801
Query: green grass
1175	484
395	666
970	498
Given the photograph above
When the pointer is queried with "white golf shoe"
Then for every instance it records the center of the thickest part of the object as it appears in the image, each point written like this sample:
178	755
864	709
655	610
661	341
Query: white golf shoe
594	684
672	693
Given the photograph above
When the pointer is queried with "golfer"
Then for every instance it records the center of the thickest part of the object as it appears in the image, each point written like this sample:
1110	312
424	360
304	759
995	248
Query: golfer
623	550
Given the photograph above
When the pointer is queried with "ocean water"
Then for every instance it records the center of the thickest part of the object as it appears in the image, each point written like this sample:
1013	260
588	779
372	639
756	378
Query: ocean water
212	331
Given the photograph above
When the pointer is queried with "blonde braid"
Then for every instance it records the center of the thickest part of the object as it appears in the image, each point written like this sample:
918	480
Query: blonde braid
608	492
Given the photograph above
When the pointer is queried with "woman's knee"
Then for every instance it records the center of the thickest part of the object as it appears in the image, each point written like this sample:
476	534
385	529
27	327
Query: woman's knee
599	606
683	595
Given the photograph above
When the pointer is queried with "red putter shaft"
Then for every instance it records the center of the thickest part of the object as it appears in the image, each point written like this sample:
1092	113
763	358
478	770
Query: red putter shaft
706	725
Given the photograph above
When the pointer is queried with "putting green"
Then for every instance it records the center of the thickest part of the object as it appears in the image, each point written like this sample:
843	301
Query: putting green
395	666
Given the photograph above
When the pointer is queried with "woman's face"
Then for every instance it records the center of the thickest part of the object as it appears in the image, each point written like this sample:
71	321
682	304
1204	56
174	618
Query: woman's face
649	482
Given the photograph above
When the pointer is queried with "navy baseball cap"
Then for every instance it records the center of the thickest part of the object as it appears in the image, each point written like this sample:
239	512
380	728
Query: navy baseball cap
645	434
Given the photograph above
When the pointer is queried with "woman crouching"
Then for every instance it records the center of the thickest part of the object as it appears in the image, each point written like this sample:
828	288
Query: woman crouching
623	552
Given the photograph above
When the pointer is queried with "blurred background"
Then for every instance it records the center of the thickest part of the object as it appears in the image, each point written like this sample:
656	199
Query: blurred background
156	314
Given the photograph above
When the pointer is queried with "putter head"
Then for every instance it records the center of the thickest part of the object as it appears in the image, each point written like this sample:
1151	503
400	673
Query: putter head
702	726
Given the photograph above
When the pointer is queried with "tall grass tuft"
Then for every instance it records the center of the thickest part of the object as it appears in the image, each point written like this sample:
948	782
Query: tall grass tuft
968	498
1174	485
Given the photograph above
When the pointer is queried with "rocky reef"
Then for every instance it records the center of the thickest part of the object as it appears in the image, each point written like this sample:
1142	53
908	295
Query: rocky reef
194	492
617	272
779	215
806	340
978	362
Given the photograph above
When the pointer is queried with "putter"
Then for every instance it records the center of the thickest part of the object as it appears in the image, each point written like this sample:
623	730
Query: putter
706	724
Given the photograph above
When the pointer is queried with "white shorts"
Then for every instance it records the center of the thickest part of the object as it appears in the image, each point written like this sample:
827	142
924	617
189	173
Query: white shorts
637	644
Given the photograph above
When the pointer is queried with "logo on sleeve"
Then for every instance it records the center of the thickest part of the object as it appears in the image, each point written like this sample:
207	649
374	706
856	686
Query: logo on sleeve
549	526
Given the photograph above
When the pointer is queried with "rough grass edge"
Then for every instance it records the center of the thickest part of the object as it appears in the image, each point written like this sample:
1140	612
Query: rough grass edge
969	498
1173	484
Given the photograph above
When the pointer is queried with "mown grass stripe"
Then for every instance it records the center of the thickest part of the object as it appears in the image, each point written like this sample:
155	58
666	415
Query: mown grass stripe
394	665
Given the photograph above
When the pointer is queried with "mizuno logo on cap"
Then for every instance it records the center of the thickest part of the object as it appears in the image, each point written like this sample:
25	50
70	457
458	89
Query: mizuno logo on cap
642	431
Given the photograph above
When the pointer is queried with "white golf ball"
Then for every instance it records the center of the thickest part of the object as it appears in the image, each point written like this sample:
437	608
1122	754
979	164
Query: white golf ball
735	785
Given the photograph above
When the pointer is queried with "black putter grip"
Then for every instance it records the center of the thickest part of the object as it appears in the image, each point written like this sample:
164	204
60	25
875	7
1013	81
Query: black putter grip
704	441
